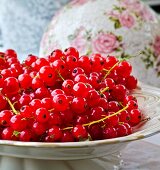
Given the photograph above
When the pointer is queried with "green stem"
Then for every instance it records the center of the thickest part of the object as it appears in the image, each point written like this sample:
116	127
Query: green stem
11	105
100	120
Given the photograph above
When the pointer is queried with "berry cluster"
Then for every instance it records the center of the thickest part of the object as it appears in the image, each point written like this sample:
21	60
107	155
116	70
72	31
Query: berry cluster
65	97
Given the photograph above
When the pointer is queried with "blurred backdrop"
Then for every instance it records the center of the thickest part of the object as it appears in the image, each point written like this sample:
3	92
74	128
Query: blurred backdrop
22	22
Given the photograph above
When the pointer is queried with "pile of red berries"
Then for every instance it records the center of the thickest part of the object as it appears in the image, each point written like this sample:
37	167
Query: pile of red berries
66	98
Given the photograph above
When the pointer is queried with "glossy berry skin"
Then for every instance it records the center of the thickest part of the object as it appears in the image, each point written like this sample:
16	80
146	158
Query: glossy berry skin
47	103
132	104
81	78
79	132
110	62
3	102
80	90
56	92
82	119
71	51
109	83
85	63
11	85
113	106
119	92
95	132
93	98
30	59
42	92
25	81
124	69
97	113
109	132
77	71
37	83
10	53
97	62
135	117
26	111
5	117
112	121
18	123
35	104
42	115
7	133
67	116
67	86
55	119
129	128
25	99
121	130
71	62
124	116
38	128
40	62
94	81
131	83
25	136
55	134
48	75
65	97
60	102
56	55
79	105
67	137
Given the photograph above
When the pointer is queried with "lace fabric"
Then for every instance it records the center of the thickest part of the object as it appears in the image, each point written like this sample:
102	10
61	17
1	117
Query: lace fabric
22	23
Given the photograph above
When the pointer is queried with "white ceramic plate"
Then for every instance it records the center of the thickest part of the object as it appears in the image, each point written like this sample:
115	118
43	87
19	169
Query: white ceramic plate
149	102
77	156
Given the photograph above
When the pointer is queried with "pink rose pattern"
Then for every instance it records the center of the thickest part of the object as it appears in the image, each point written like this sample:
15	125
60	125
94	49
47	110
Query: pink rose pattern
105	43
129	13
151	55
126	20
156	46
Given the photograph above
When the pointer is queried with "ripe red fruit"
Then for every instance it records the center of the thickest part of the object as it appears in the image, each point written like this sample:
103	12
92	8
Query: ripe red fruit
124	69
135	117
71	51
80	90
66	98
11	85
48	75
109	132
79	132
60	102
3	102
55	134
79	105
42	115
18	123
67	137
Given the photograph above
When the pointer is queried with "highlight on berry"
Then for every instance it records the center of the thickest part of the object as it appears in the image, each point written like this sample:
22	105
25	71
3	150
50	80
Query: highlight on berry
65	97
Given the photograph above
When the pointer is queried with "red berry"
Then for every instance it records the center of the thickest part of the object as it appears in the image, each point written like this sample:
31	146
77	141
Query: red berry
79	105
67	137
55	134
42	115
109	132
60	102
80	90
18	123
124	69
71	51
79	132
11	85
135	117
